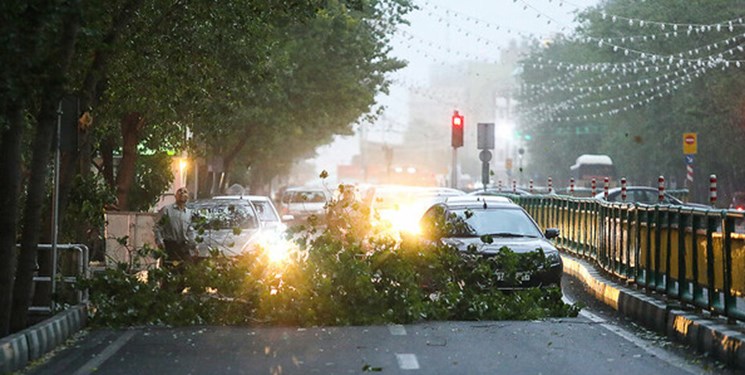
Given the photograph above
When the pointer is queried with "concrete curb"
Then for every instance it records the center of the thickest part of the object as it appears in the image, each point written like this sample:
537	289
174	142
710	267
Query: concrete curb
22	347
714	337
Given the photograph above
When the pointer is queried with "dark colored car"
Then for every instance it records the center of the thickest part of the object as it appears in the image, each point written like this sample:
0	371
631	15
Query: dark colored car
463	222
646	195
499	192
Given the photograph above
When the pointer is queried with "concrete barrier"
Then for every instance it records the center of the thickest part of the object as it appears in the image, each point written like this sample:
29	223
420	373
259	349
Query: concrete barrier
714	337
13	353
33	342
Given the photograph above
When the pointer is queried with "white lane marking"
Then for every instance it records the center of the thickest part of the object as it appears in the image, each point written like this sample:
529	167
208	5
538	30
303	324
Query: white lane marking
663	355
93	365
407	361
397	330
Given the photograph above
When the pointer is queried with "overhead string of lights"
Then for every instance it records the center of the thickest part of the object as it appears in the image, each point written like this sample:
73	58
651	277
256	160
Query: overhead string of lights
622	104
646	87
729	24
695	70
684	65
610	83
427	94
668	29
646	58
433	9
440	48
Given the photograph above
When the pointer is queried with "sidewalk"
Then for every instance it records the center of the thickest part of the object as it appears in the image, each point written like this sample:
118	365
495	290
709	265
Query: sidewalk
710	335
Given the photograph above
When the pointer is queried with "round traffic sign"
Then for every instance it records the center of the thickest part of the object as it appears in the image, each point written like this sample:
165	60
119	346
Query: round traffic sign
689	139
485	156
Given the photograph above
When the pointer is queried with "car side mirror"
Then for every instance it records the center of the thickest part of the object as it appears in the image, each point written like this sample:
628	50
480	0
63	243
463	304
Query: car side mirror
552	233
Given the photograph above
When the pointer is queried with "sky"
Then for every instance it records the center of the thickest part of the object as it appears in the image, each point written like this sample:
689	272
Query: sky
448	32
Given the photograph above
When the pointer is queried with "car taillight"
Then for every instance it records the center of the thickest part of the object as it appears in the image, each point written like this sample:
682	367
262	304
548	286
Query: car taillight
740	208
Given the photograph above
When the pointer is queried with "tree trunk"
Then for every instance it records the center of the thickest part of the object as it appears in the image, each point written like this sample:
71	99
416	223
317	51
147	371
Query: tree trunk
93	87
131	126
36	192
107	157
10	173
94	82
47	119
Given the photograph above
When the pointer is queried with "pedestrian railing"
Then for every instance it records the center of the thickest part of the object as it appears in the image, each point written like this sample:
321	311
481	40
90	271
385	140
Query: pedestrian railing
693	255
72	263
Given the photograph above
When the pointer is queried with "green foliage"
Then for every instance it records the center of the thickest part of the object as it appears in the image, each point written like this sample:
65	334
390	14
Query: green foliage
153	177
331	278
88	197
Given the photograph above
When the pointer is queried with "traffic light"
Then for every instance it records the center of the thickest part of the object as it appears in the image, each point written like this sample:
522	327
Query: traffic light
457	124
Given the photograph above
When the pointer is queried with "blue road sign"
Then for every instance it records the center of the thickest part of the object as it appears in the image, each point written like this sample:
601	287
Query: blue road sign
689	159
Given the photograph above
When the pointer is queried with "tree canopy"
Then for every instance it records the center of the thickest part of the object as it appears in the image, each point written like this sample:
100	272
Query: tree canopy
259	83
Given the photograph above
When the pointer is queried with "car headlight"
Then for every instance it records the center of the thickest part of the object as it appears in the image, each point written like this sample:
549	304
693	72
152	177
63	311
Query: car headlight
553	258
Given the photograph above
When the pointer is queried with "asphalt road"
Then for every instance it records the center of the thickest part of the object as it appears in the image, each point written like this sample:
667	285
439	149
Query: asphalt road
596	342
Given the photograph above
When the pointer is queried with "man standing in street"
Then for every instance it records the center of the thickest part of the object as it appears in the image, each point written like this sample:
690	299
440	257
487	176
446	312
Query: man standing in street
174	233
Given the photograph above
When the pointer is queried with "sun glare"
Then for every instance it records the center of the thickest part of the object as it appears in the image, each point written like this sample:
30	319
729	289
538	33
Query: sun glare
276	248
402	220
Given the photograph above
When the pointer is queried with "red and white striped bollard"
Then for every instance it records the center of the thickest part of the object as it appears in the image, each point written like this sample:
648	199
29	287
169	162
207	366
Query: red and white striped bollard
593	187
623	189
713	189
606	186
571	186
499	186
661	189
531	186
550	185
514	186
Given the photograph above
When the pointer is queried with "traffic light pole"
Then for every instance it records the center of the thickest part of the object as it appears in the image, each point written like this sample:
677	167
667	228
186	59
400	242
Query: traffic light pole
454	169
456	140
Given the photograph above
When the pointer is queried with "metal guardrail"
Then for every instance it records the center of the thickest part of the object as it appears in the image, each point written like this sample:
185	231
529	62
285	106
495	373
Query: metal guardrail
693	255
78	252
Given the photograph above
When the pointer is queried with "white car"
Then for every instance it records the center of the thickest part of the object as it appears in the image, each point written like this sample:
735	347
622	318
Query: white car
268	214
230	226
273	229
299	203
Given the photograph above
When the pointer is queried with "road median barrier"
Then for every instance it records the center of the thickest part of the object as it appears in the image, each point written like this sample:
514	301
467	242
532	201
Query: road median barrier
32	343
713	336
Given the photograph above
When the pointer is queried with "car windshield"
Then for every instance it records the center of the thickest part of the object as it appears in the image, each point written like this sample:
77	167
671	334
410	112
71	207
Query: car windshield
265	211
308	197
222	214
502	222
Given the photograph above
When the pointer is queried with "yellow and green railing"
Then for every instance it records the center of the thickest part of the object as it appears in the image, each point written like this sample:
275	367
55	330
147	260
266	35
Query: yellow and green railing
693	255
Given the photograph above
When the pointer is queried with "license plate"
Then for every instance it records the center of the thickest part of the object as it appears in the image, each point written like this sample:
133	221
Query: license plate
520	276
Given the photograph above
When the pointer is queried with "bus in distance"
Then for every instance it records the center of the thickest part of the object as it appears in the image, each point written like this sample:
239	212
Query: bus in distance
589	166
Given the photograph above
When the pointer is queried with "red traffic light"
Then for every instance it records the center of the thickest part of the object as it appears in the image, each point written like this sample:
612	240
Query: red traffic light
457	119
457	122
